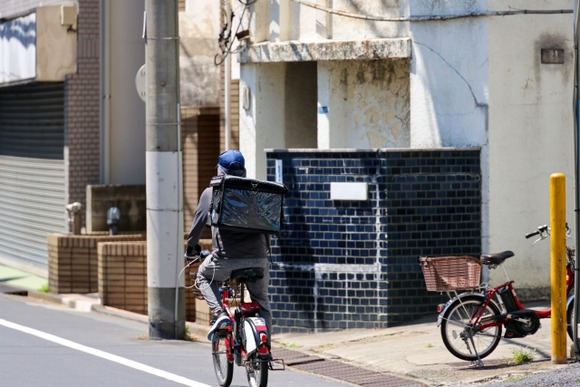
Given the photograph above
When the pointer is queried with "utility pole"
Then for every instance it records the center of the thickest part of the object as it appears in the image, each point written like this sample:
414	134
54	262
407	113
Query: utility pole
165	239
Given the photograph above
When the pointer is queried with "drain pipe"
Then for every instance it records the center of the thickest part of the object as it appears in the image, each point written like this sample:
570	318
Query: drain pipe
105	90
577	178
227	82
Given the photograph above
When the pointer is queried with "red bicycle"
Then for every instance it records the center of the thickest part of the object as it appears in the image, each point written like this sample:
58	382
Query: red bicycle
246	340
472	322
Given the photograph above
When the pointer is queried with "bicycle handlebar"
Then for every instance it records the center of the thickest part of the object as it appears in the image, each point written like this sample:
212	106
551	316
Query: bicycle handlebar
544	232
540	231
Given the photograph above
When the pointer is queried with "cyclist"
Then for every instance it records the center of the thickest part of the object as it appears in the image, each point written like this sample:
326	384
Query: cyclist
231	250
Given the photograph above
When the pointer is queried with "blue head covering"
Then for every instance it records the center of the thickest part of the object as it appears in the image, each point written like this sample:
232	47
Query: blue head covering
232	162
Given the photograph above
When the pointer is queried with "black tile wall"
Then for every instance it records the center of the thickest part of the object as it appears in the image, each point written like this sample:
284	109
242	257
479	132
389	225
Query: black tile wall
354	264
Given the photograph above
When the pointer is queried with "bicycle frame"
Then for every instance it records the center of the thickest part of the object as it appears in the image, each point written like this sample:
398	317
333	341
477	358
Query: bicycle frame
489	294
234	347
505	314
245	341
226	292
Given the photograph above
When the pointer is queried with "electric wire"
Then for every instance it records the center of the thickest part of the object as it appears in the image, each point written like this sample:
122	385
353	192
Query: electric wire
428	18
226	34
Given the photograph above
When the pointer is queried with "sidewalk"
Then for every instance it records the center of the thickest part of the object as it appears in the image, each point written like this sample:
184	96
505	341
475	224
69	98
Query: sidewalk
414	351
18	279
417	351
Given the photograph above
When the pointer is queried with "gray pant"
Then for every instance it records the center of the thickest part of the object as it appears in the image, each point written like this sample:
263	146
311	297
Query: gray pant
213	270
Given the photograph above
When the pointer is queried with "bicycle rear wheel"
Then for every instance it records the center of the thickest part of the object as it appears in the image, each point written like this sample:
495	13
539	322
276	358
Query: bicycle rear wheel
459	336
257	372
223	367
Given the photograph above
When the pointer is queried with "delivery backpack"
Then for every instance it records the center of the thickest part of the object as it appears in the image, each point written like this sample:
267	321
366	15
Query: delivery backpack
247	205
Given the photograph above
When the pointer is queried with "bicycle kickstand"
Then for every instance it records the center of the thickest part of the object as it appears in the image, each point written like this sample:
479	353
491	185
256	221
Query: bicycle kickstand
476	363
280	362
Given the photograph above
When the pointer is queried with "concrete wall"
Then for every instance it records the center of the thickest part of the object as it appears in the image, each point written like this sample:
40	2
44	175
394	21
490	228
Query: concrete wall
262	125
363	104
198	31
130	200
54	40
531	132
122	111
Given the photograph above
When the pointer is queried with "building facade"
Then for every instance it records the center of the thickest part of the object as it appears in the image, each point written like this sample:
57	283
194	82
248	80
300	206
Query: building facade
405	74
310	81
71	115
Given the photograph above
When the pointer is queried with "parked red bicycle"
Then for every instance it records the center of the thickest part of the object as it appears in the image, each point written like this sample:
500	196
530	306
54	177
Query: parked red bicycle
472	321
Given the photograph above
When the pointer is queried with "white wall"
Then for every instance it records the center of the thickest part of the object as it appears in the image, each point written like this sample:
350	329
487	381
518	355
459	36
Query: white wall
261	125
531	132
479	82
449	85
123	119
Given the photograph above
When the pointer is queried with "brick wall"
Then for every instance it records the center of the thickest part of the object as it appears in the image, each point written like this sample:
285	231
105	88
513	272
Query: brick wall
354	264
72	261
122	279
82	103
115	266
123	275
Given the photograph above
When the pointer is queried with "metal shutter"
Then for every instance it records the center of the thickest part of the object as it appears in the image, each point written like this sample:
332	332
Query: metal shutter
32	173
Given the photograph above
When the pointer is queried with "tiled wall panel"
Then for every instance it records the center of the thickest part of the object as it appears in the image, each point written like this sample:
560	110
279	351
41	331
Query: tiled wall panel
342	264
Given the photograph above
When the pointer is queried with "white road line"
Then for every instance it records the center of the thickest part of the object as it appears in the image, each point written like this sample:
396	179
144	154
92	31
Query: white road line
103	355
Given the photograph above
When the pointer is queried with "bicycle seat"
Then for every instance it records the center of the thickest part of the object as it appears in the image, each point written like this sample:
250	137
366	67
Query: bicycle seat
496	258
249	274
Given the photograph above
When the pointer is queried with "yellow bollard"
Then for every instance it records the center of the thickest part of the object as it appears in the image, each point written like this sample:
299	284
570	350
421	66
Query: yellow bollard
558	265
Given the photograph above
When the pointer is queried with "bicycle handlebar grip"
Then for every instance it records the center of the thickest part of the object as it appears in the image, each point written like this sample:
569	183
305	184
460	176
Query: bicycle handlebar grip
532	234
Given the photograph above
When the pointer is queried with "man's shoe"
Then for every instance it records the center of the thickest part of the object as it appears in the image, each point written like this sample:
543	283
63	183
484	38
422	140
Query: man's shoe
220	321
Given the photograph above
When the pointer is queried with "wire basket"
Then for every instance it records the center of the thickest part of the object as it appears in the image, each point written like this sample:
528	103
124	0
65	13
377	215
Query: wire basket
451	273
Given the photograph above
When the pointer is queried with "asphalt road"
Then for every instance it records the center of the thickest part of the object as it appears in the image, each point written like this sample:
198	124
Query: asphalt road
47	344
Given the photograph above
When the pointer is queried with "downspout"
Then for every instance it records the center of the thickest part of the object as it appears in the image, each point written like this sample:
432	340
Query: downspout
576	103
105	74
227	82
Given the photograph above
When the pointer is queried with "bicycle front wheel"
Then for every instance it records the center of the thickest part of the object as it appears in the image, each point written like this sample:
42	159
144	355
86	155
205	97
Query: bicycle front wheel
570	320
459	335
257	372
223	367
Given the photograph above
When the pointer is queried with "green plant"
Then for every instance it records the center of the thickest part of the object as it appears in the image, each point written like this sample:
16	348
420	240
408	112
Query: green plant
187	334
521	356
430	345
43	288
514	378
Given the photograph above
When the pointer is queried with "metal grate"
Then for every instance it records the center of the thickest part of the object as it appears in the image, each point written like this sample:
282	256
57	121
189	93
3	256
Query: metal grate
342	371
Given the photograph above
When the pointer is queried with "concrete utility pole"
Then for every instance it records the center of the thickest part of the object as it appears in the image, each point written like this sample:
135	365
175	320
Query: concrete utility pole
576	302
165	239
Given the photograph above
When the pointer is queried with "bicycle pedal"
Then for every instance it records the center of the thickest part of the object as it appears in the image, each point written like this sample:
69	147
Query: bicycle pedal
221	333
